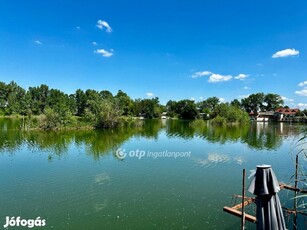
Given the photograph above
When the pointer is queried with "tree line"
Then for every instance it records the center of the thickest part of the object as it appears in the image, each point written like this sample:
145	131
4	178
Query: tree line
104	109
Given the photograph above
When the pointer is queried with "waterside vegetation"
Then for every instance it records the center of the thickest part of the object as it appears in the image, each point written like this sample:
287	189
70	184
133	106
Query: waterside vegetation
45	108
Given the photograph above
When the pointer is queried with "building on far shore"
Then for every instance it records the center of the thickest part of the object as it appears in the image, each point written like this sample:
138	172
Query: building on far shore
284	114
280	114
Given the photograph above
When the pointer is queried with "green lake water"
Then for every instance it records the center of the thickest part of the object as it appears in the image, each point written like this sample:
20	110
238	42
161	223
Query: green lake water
77	180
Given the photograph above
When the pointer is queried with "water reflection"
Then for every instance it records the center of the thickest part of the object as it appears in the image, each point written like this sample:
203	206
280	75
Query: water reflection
98	143
213	159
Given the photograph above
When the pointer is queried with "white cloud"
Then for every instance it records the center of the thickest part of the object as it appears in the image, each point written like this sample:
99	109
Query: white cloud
304	83
285	99
246	87
243	96
302	92
219	78
241	76
103	24
38	42
94	43
150	95
78	28
215	77
192	98
201	98
104	52
285	53
302	105
222	99
201	74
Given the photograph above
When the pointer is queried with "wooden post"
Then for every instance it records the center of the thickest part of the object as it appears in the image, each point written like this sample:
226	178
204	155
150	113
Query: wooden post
295	193
243	197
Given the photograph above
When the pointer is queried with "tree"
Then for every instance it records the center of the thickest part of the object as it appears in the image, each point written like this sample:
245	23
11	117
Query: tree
37	97
106	95
253	103
273	101
230	113
93	101
236	103
150	108
186	109
108	116
171	108
124	102
80	99
262	102
3	97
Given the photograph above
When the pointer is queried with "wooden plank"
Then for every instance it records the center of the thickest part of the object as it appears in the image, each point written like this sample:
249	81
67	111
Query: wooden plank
246	202
289	187
238	213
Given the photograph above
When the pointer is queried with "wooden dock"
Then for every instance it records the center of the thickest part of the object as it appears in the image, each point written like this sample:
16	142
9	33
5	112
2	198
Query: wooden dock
236	209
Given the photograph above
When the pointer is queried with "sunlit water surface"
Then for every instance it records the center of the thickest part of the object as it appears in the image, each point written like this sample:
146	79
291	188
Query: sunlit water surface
75	180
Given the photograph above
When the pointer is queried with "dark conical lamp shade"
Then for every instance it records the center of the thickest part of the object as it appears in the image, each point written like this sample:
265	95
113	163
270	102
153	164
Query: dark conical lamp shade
269	211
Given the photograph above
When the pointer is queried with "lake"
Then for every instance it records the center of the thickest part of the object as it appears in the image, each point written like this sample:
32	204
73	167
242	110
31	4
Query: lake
164	175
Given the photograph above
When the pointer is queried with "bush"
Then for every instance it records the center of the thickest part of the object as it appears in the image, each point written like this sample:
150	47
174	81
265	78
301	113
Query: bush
50	120
108	116
198	123
218	120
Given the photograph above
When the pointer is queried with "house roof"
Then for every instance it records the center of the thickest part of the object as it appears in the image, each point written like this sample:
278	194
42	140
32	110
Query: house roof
288	111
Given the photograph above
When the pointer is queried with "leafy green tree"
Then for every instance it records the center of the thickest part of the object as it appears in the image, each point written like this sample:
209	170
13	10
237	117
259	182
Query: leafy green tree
108	116
106	95
253	103
230	113
37	97
186	109
236	103
93	101
137	107
273	101
124	102
171	108
209	104
80	100
15	102
150	108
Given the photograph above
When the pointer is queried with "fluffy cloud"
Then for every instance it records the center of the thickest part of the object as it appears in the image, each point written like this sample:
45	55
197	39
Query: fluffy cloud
201	74
304	83
302	92
38	42
243	96
219	78
215	77
285	99
246	87
94	43
302	105
103	24
150	95
285	53
241	76
104	53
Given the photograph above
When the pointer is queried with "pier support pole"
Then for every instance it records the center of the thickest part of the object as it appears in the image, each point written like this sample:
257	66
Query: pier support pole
243	200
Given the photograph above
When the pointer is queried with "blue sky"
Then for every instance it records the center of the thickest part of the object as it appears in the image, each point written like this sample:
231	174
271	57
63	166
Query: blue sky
169	49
